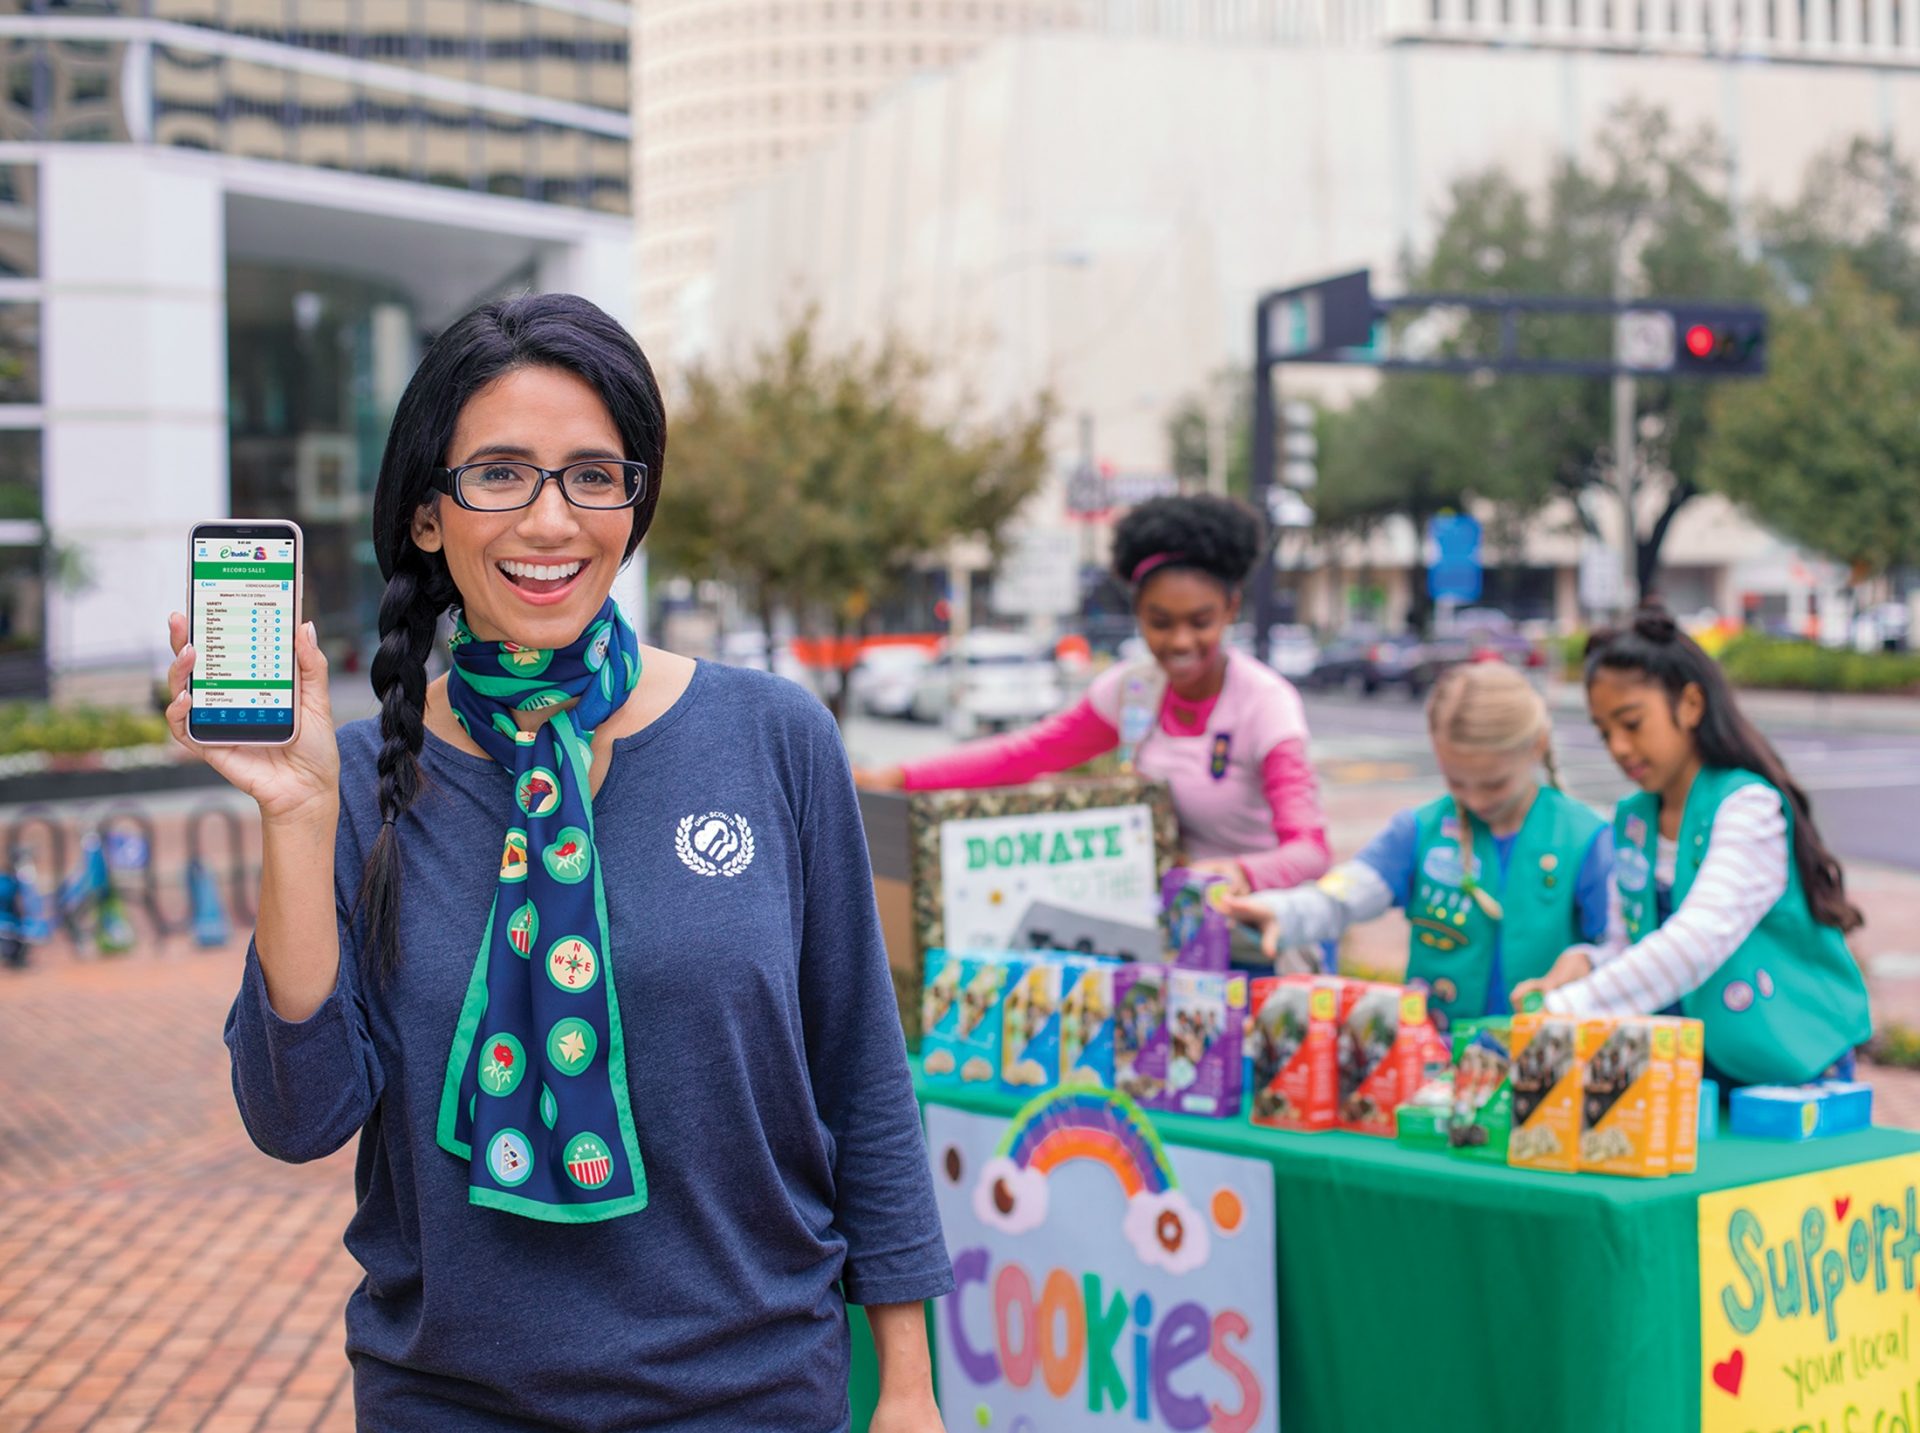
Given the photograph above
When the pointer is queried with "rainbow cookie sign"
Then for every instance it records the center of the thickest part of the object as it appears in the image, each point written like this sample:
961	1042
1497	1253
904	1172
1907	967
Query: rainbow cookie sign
1103	1280
1808	1302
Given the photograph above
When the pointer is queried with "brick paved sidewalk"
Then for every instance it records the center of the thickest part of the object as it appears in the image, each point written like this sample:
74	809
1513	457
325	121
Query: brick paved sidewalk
156	1271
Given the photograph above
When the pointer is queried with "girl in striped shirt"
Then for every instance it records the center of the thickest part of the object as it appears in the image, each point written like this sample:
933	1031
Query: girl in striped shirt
1726	904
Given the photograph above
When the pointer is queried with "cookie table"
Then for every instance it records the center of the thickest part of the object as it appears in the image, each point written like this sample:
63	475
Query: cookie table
1424	1291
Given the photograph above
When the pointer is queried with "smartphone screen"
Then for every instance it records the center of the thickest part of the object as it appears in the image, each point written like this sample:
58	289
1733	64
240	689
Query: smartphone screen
245	581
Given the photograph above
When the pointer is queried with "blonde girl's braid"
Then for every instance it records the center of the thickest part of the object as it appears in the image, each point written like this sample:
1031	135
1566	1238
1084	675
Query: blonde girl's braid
1552	764
1487	706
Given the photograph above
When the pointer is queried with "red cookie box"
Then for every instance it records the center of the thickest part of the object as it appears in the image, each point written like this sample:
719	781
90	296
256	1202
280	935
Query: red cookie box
1383	1043
1292	1036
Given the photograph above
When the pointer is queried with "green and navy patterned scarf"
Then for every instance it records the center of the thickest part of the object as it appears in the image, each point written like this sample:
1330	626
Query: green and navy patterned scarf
536	1091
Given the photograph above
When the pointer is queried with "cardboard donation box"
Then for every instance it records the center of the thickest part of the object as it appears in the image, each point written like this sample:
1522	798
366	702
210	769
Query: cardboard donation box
1056	865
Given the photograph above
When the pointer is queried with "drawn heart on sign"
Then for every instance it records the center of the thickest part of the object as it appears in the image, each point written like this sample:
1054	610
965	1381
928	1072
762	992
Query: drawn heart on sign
1727	1374
1841	1206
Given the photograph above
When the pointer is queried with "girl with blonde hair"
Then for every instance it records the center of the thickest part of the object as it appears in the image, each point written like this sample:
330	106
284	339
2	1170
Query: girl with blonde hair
1497	877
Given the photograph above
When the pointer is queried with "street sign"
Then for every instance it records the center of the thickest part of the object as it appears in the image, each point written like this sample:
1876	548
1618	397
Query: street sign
1643	340
1091	492
1038	576
1603	581
1287	510
1454	571
1319	318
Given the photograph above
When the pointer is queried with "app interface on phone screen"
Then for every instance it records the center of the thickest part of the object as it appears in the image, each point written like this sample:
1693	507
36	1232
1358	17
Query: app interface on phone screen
243	631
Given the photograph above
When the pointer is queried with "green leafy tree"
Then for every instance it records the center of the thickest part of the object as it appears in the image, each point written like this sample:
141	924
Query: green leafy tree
1413	447
1646	215
1826	450
1860	204
813	479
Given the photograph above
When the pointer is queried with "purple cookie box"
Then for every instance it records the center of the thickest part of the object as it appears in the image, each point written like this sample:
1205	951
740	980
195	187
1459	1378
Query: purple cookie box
1201	936
1181	1028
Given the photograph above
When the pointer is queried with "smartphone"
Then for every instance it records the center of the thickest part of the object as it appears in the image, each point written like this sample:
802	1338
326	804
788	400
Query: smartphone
243	608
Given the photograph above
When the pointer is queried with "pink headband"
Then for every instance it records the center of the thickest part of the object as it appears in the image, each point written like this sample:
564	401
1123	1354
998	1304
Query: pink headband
1147	565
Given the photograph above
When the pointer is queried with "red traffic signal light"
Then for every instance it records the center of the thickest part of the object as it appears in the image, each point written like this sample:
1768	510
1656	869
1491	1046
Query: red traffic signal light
1720	343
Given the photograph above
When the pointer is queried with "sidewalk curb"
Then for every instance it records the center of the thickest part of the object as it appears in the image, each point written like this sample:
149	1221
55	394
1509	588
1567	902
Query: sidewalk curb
1839	711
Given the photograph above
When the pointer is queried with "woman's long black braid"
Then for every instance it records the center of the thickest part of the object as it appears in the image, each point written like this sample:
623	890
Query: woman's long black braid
416	594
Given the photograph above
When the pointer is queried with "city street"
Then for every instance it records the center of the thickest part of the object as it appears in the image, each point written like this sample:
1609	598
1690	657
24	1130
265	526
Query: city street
1864	785
157	1272
1860	765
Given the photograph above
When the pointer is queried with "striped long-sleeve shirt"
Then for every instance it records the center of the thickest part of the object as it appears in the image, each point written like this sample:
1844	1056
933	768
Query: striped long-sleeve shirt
1743	874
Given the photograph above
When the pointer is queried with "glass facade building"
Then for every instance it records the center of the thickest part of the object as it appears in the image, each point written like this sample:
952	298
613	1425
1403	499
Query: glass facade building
367	169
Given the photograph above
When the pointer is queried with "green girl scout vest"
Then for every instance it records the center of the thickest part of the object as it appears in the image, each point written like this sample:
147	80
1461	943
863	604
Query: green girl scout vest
1790	1001
1451	940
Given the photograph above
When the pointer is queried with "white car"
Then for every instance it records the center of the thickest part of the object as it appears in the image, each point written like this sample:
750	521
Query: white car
883	682
1291	651
1006	680
748	648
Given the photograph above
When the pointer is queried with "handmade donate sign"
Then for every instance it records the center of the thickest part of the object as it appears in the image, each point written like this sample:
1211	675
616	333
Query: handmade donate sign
1807	1303
1100	862
1103	1280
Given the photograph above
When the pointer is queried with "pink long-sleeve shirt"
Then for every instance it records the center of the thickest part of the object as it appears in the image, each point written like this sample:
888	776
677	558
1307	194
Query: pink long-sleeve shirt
1237	766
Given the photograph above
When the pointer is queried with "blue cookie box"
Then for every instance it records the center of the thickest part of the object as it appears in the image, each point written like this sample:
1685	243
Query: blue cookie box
1799	1111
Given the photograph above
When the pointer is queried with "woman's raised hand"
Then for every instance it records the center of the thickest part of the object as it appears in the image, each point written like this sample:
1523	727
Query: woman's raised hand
292	783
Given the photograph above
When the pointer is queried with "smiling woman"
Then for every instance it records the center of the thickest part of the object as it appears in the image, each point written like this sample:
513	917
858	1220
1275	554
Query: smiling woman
494	952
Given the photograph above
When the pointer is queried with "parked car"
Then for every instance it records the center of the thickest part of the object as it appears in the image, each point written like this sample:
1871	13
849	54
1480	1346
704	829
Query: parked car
1489	632
1365	661
1342	661
882	683
748	648
1008	680
1407	662
1291	650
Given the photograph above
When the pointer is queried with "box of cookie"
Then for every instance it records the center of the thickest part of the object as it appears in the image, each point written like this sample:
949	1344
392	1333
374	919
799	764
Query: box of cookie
1030	1016
1683	1118
1198	930
1291	1038
980	1026
1206	1042
1481	1122
1381	1053
940	1017
1140	1033
1546	1092
1626	1089
1086	1022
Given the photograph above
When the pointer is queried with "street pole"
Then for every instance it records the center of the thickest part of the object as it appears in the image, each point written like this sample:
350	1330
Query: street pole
1624	400
1219	409
959	621
1260	480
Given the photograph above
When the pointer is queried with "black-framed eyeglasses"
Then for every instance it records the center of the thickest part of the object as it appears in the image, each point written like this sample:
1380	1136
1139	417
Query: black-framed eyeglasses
504	486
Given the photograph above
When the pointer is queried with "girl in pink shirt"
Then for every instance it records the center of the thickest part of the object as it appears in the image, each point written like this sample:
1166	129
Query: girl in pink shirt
1225	733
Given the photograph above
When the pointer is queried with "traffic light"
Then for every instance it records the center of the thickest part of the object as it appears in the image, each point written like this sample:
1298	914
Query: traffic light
1719	343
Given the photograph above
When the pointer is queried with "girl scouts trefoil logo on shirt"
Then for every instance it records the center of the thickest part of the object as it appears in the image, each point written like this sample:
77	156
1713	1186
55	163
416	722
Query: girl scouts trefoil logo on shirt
715	844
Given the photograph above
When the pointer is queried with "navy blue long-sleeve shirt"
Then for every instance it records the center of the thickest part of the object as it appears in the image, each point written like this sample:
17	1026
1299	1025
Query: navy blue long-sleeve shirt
769	1087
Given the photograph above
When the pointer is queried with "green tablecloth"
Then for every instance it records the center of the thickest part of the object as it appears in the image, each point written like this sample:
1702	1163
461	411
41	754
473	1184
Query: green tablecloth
1424	1291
